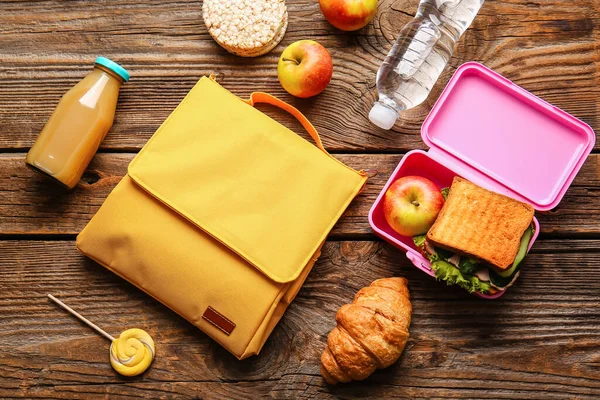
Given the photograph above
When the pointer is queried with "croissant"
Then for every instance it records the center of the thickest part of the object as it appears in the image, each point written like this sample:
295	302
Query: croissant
370	334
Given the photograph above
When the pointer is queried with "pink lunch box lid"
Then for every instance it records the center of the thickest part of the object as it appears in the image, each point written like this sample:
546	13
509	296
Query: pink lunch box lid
523	146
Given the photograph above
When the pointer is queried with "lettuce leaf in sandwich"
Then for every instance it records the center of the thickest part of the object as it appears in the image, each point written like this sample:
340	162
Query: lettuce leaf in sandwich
470	273
451	268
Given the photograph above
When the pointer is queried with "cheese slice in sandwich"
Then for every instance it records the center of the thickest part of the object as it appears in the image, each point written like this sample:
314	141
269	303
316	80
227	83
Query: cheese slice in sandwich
482	224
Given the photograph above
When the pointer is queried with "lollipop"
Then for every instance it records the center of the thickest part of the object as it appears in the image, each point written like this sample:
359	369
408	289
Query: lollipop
130	354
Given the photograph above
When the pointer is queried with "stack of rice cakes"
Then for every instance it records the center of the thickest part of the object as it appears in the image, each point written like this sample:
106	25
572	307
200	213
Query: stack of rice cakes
247	28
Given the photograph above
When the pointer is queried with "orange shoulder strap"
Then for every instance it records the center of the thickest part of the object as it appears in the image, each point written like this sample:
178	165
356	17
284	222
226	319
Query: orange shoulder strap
261	97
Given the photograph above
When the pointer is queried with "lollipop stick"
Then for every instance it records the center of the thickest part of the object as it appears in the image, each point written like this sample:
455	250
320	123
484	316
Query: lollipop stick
82	318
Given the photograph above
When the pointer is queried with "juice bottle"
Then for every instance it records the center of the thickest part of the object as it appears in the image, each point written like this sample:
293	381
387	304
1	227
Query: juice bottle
78	125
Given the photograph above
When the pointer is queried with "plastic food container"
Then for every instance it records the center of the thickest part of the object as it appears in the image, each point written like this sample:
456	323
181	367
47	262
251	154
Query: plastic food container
492	132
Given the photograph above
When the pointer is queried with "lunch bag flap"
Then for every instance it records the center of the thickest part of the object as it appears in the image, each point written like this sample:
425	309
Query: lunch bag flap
252	184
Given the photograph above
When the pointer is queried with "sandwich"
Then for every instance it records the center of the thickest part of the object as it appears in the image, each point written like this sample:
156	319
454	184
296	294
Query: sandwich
479	238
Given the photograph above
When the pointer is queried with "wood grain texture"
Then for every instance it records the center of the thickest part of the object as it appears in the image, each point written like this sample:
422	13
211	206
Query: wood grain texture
29	205
542	339
550	47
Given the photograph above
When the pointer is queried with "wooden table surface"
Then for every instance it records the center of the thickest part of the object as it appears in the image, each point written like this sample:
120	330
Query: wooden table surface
541	340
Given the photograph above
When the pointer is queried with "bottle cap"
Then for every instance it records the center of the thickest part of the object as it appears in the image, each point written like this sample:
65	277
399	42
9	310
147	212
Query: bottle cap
383	116
114	67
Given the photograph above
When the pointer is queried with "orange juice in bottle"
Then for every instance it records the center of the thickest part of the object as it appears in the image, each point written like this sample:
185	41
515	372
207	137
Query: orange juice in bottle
78	125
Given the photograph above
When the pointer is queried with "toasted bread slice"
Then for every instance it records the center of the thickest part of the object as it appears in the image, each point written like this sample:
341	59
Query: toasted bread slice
482	224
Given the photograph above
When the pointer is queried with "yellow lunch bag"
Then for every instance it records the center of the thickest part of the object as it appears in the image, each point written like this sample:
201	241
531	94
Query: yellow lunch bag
222	215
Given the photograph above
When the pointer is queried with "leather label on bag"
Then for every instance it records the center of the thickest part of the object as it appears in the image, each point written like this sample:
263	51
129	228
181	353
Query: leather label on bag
218	320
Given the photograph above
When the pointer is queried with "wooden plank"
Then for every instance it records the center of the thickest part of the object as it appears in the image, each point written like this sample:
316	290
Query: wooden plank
548	47
31	206
542	339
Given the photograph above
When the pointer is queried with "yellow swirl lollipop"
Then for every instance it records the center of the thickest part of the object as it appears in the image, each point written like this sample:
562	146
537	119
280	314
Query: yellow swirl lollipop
130	354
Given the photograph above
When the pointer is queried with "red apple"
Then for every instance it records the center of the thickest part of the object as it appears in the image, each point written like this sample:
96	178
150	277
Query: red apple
304	68
411	205
348	15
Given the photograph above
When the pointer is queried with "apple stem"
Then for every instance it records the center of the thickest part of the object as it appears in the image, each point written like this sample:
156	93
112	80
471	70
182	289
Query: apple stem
416	203
292	60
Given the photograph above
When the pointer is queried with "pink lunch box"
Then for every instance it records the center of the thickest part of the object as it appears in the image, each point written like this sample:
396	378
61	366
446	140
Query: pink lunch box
492	132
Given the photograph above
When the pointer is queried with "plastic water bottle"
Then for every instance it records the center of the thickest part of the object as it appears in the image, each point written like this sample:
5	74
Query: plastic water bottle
419	56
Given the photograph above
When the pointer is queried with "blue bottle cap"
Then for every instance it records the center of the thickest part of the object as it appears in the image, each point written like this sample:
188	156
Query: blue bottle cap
113	66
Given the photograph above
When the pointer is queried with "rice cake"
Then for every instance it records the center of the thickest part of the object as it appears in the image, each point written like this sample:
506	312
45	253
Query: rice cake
247	28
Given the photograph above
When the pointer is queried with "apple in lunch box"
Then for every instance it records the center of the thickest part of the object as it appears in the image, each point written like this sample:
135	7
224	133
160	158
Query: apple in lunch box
411	204
304	68
348	15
